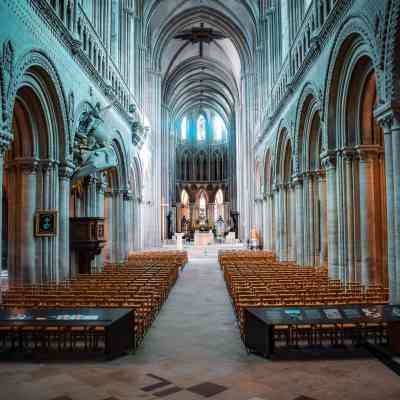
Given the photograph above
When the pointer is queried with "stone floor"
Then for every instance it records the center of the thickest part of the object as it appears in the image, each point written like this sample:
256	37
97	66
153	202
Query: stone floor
193	352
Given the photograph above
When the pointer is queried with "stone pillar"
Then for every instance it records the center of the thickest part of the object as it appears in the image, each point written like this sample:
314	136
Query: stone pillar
311	239
101	186
26	269
65	172
323	258
350	272
116	227
292	223
284	216
329	163
278	224
265	224
12	184
109	222
390	121
270	227
298	188
5	140
127	223
367	155
91	196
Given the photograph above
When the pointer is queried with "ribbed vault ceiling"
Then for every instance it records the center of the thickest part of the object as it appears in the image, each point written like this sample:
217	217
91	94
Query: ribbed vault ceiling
207	75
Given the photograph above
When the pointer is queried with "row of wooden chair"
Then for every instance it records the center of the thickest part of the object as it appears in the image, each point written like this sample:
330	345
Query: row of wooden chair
143	284
257	279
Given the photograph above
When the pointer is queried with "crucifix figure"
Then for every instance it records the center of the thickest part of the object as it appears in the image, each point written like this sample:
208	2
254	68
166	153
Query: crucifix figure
200	35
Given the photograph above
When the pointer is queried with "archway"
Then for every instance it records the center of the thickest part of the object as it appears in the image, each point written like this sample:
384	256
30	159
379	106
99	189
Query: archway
36	180
356	173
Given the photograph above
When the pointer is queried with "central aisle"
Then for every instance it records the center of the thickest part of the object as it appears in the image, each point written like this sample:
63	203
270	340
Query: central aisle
197	321
193	352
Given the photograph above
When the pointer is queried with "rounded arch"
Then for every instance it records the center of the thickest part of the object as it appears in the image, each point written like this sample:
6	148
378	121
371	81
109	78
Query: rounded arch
308	107
35	70
120	173
283	139
268	172
136	177
352	42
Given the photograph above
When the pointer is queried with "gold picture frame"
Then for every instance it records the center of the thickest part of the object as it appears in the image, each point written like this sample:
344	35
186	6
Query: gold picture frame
46	223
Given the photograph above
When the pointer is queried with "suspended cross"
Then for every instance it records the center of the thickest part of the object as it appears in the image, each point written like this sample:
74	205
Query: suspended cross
200	35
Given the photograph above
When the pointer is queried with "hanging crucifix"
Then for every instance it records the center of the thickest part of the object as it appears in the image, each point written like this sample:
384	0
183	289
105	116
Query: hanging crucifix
200	35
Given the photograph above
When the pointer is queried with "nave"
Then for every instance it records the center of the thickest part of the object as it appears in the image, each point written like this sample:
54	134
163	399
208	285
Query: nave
195	341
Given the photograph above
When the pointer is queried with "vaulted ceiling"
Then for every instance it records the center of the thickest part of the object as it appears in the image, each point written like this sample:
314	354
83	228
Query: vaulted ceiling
201	70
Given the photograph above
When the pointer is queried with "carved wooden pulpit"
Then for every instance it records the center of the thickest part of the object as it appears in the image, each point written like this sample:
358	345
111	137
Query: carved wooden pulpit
87	239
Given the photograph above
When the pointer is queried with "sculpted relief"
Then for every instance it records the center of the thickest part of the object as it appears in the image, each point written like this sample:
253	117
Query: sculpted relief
93	151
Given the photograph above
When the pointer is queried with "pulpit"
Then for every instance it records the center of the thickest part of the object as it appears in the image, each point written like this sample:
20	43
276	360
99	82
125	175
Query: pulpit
87	239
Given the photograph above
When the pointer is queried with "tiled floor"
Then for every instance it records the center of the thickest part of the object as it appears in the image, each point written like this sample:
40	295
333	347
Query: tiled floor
193	352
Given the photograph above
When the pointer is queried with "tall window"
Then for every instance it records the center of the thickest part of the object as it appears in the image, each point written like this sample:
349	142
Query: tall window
219	205
203	201
184	128
201	128
184	198
219	127
114	30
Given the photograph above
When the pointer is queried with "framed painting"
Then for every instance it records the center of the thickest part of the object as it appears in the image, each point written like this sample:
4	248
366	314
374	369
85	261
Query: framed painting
46	223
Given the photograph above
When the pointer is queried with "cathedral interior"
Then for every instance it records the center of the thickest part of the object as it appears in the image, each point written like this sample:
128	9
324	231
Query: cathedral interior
200	199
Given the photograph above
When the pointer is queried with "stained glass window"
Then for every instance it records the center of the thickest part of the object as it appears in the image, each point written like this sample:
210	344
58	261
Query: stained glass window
201	128
219	127
184	128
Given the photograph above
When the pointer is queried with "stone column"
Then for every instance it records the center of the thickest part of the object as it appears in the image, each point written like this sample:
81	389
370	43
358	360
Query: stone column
329	163
311	237
395	295
101	186
43	245
298	188
292	222
367	155
5	141
116	227
390	123
109	222
26	268
278	222
275	208
265	223
91	196
284	221
65	172
350	273
270	227
127	223
323	219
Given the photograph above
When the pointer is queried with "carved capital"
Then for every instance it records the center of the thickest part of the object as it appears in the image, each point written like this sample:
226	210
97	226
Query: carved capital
91	180
66	170
347	154
388	116
328	160
6	138
367	153
27	165
46	165
297	179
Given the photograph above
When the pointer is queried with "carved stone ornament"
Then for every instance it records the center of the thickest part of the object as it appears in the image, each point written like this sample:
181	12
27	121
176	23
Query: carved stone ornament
6	73
8	57
93	151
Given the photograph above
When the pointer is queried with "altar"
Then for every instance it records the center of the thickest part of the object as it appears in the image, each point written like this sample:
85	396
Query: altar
203	238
